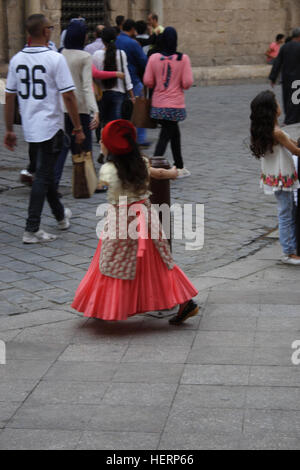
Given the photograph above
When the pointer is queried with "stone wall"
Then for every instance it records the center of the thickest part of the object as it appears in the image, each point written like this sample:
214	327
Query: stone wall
212	32
221	32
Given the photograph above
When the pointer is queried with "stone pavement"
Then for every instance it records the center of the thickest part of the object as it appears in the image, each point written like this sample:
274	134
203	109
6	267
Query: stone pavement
223	380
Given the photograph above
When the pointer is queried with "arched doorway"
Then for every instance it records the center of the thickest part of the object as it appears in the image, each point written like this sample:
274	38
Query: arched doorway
94	11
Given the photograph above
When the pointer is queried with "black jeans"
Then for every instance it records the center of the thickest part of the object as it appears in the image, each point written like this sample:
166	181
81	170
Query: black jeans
170	133
44	183
32	158
69	143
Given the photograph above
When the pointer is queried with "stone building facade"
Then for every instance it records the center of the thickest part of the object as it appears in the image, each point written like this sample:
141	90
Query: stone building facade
212	32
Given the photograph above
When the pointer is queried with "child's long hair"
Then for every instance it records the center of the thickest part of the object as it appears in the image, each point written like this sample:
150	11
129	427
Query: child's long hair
263	119
132	169
109	36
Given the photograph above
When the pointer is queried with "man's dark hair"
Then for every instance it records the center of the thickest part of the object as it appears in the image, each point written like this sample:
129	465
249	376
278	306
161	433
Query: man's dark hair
73	15
296	33
120	20
98	32
35	25
154	16
279	37
129	25
141	27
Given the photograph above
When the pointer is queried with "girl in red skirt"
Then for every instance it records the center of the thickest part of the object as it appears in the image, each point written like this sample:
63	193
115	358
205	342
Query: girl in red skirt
130	274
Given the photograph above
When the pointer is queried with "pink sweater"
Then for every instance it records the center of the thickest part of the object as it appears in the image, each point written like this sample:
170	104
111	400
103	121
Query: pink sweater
169	78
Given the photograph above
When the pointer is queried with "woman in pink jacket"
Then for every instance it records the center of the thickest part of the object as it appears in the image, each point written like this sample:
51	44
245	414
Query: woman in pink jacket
169	73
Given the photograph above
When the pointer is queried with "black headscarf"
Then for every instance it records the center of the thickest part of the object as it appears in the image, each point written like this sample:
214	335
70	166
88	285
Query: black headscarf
168	41
76	34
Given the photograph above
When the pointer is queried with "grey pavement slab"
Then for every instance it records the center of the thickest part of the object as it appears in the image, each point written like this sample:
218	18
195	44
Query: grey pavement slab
215	375
223	380
38	439
118	440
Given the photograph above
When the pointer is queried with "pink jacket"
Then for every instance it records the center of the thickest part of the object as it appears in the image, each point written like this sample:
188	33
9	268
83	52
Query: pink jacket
169	78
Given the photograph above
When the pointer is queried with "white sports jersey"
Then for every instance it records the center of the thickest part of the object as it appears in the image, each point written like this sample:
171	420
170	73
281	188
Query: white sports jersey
39	76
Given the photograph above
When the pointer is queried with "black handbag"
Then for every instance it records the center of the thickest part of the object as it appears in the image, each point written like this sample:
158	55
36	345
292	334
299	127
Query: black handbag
127	105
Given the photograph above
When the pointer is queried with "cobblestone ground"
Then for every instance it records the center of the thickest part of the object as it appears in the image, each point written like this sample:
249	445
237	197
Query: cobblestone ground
224	380
224	179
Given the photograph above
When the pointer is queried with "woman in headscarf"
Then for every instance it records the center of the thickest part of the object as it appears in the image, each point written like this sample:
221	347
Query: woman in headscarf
80	65
169	73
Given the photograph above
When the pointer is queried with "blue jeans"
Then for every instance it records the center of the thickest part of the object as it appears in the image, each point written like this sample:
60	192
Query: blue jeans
44	183
138	90
287	221
111	106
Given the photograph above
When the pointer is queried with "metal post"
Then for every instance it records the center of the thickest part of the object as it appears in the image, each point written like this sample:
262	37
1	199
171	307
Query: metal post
298	212
160	189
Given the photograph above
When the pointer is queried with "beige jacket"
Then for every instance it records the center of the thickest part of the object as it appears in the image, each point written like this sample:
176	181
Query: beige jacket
80	65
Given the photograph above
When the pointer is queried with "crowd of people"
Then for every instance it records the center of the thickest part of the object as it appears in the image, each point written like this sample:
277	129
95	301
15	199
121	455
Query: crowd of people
126	274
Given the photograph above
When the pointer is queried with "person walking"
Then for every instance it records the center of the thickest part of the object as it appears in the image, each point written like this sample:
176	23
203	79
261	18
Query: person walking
288	63
169	73
80	65
131	273
114	89
274	49
96	45
40	77
275	149
137	61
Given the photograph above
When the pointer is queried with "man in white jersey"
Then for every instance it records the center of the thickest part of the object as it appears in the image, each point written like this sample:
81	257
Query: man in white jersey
40	77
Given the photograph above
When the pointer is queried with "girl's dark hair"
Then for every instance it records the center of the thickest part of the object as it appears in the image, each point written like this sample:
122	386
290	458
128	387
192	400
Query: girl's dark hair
132	169
263	119
109	36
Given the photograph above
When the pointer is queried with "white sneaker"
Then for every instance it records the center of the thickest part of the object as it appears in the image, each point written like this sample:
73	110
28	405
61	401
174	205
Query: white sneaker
292	261
183	173
38	237
65	224
26	177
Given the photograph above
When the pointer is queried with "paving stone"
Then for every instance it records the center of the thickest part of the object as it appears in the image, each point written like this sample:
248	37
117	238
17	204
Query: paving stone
15	390
129	418
206	396
205	440
283	422
269	441
160	354
273	376
32	439
81	371
94	353
273	398
215	375
40	317
20	369
53	417
140	394
156	373
213	355
118	440
226	339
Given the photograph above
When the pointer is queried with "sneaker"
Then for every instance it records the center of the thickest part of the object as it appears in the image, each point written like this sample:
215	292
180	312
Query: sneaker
292	261
183	173
65	223
190	310
38	237
26	177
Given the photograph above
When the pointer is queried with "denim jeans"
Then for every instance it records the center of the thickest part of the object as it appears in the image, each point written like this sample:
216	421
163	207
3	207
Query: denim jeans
138	90
69	143
111	106
287	221
44	183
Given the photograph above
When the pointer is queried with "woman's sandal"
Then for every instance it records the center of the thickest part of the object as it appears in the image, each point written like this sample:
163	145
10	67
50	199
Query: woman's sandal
190	310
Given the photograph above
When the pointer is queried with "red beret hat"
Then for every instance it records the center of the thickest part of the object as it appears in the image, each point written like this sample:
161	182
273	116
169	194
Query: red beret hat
113	136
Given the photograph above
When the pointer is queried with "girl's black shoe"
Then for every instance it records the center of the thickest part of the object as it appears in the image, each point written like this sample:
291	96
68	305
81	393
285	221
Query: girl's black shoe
190	310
